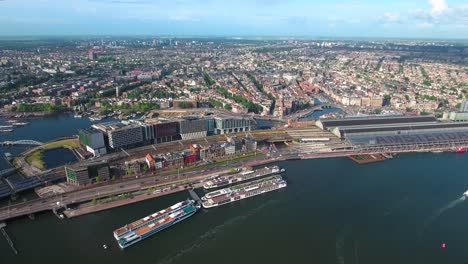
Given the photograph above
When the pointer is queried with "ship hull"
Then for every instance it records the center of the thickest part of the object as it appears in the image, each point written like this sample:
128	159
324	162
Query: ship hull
157	230
240	179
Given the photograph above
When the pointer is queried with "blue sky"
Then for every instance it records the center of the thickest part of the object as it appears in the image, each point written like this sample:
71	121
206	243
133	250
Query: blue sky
329	18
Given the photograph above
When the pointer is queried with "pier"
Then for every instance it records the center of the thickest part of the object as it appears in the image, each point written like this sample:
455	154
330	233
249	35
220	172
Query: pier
2	229
195	196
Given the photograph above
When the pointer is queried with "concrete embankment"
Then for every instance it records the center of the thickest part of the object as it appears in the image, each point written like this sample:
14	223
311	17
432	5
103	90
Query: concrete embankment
89	208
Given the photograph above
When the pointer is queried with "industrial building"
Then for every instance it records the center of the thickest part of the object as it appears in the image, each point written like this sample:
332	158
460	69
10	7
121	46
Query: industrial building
93	140
227	125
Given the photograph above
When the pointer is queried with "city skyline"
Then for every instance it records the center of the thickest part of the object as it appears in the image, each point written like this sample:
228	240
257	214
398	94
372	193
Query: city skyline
437	19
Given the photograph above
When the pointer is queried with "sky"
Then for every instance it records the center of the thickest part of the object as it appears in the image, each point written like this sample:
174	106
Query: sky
302	18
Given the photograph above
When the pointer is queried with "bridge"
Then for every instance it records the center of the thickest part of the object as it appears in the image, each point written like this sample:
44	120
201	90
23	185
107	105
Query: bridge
21	142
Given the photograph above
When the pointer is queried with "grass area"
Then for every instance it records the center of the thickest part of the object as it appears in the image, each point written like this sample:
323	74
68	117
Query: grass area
68	144
36	158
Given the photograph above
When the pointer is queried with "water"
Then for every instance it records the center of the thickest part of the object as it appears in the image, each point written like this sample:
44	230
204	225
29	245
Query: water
42	129
317	114
58	157
333	211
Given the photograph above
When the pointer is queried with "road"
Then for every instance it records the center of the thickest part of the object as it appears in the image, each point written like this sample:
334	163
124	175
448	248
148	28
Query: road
109	189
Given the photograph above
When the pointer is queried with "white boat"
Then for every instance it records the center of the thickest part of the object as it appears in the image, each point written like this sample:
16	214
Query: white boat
465	194
20	124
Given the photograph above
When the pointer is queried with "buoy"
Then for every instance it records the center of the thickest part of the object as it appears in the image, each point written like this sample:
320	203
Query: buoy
444	245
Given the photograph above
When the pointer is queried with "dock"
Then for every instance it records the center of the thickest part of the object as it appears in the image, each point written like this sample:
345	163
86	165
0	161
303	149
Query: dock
2	229
195	196
367	158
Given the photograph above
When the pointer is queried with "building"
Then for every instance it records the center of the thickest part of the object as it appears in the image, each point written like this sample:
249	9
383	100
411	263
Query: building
84	175
328	124
124	136
210	126
192	128
227	125
229	149
150	162
93	140
173	160
250	144
148	133
158	163
92	54
459	116
165	132
133	167
464	106
237	142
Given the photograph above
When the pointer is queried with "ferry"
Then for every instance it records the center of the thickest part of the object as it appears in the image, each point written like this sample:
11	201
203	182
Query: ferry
152	224
243	191
241	177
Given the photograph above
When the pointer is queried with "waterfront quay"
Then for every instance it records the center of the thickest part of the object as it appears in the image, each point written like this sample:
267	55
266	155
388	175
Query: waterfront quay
330	138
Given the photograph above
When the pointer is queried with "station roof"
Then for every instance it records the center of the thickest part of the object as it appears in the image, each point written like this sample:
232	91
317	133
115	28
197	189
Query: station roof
345	131
374	120
427	137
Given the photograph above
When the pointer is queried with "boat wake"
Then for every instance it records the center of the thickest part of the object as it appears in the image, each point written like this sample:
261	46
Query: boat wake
339	245
209	236
439	212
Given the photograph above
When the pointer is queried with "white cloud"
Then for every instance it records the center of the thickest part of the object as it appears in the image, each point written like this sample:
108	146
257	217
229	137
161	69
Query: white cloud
424	25
438	7
391	17
438	14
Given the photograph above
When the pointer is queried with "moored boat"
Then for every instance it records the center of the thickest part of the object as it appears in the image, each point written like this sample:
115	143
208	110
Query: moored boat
243	191
152	224
241	177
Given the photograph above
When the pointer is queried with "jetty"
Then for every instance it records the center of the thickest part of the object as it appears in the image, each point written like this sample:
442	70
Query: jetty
4	233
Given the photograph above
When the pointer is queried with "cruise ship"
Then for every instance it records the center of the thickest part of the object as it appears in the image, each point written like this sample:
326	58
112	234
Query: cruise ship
152	224
243	191
240	177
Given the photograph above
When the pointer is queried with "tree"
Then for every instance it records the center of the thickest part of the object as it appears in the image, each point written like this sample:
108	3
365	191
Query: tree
94	201
228	107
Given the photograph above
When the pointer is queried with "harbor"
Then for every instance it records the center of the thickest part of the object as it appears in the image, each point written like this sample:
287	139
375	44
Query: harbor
220	227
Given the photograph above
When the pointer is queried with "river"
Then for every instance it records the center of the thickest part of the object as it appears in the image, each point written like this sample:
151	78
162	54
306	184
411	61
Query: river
333	211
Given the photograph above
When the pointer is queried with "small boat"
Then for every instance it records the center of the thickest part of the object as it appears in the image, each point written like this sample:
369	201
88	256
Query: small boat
465	194
6	130
460	150
104	246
